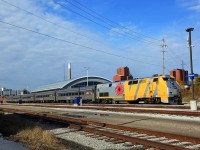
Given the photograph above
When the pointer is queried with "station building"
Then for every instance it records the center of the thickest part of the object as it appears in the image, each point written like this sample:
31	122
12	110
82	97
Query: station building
81	82
64	91
67	91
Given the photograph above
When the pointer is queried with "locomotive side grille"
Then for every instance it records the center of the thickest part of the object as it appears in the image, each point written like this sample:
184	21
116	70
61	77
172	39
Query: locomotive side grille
104	94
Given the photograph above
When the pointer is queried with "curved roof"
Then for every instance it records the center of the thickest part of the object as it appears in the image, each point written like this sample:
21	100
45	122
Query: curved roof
61	85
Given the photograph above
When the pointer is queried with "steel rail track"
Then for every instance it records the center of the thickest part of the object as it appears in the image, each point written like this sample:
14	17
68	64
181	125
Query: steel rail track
141	106
85	126
129	110
122	105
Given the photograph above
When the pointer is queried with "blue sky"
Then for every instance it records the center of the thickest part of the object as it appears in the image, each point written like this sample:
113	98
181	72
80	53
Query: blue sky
130	36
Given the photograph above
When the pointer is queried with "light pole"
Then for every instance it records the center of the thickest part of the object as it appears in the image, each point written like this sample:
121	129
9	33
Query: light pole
69	71
189	30
1	95
87	68
64	71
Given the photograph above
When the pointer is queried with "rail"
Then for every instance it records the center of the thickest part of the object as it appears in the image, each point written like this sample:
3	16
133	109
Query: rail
96	128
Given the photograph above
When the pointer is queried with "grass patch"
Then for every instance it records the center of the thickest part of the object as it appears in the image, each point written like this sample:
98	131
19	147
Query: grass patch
38	139
30	133
187	94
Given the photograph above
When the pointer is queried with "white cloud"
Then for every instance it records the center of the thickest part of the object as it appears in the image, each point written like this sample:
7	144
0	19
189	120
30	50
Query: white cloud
29	59
191	5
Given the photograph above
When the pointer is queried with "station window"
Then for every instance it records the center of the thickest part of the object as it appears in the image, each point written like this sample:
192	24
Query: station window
84	84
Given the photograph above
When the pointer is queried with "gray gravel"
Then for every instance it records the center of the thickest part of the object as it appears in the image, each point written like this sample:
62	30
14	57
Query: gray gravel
94	142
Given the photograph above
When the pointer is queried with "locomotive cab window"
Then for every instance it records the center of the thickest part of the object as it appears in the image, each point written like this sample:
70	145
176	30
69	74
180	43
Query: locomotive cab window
133	82
165	79
155	80
130	82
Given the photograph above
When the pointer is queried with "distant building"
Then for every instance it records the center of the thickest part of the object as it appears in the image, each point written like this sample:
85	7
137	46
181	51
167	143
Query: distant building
122	74
9	92
180	75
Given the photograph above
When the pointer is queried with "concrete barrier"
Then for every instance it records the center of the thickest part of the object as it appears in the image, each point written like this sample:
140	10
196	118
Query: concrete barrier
193	105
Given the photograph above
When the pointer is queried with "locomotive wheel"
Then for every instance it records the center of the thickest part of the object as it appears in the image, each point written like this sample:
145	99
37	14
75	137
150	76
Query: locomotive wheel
158	101
146	101
133	102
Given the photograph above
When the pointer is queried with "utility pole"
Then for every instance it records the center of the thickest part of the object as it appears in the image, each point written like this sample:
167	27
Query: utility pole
183	72
189	30
163	56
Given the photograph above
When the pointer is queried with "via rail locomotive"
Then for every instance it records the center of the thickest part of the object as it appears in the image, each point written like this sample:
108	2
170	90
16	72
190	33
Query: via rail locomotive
156	89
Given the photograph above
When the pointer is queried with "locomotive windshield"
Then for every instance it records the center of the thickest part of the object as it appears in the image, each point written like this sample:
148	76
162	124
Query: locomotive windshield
168	79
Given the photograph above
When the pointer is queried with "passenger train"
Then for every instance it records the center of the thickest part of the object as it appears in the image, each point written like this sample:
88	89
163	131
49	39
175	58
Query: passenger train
156	89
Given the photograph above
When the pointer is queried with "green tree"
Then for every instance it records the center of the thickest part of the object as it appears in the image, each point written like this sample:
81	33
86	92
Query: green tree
197	81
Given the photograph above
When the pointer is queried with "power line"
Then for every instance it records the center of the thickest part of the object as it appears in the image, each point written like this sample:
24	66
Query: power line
106	27
100	18
174	55
108	20
49	36
67	29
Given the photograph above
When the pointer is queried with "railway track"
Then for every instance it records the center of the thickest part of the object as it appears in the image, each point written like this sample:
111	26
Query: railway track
125	109
141	105
116	133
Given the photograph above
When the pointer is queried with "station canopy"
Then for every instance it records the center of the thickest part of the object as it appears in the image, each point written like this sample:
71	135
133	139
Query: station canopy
74	83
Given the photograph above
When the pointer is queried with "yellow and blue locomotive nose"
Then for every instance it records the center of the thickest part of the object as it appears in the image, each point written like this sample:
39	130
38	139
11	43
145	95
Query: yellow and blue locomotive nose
174	92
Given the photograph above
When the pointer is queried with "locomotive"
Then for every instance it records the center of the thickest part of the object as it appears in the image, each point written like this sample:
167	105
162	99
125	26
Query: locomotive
156	89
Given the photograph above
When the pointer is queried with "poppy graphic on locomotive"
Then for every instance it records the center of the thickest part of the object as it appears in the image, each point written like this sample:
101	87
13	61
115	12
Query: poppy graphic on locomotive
156	89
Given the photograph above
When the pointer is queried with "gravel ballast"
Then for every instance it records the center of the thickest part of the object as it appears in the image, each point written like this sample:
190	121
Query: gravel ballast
93	142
